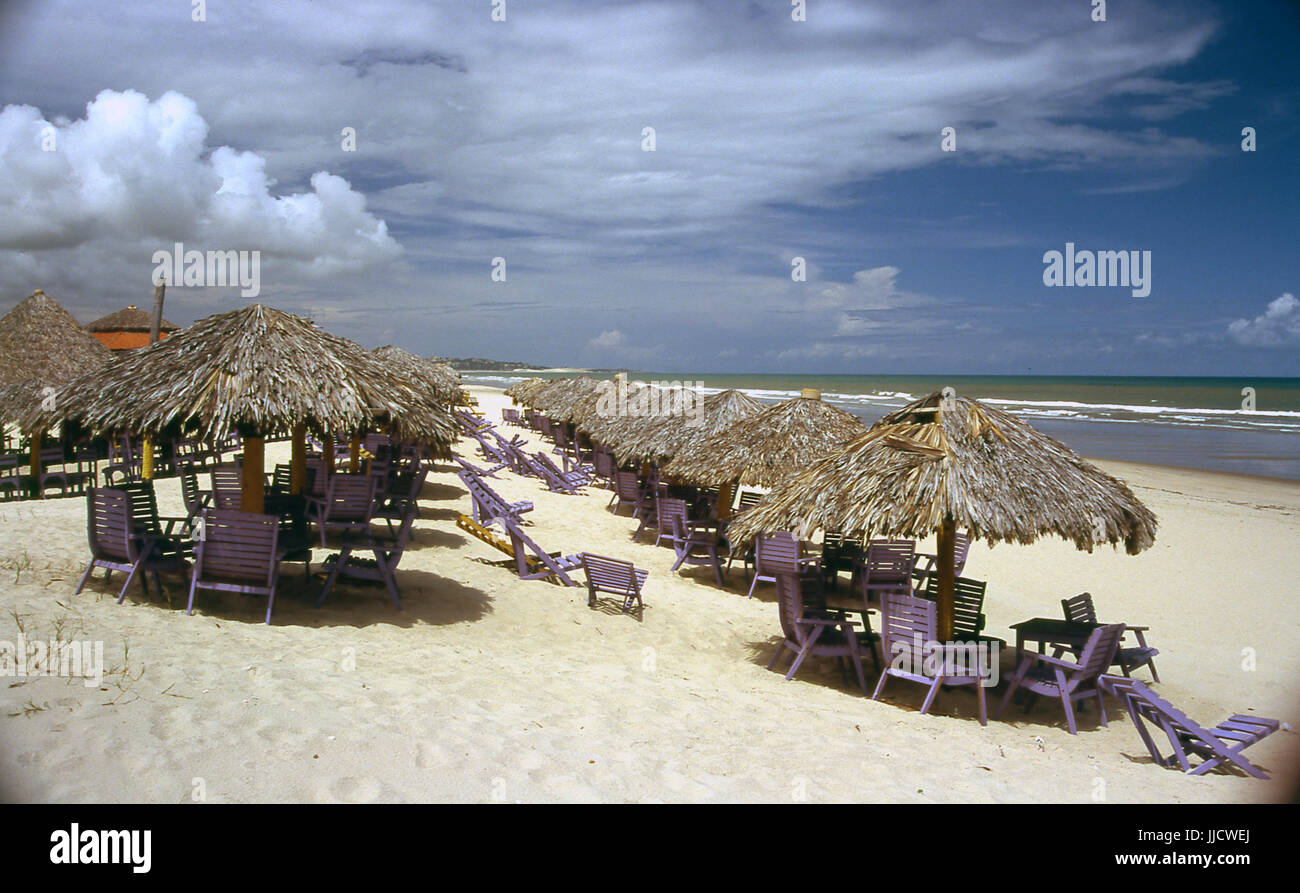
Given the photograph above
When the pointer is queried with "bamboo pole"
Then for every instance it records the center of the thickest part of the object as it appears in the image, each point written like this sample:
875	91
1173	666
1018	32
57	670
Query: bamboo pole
35	459
298	460
146	458
252	497
725	494
354	453
946	555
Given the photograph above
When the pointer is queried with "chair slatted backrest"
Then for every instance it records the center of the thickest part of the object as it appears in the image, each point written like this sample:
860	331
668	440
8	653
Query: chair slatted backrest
144	504
749	498
890	561
627	487
967	604
776	554
227	487
1098	653
789	599
283	477
669	511
610	573
350	497
488	502
317	476
903	619
604	462
191	495
960	549
51	456
238	545
1079	609
110	525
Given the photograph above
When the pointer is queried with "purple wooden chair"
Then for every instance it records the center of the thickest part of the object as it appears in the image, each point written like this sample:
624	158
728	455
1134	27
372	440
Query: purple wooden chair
1219	746
395	507
627	490
195	500
614	576
694	542
810	633
540	564
1080	609
237	552
778	553
11	482
387	550
909	630
1041	674
927	565
968	608
482	472
887	567
348	505
227	487
121	542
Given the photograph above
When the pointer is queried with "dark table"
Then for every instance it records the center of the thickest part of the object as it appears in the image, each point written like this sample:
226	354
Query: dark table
1050	630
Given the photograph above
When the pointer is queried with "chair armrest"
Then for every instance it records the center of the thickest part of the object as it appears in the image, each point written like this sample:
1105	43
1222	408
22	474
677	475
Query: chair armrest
1054	661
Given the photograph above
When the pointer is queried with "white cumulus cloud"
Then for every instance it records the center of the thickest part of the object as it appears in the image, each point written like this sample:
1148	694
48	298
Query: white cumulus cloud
1277	326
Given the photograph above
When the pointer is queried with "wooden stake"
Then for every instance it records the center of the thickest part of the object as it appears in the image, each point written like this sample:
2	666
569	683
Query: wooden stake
354	453
946	554
725	494
252	497
327	451
146	458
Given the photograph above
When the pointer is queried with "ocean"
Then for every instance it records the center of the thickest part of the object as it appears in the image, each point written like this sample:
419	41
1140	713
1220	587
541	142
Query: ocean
1241	425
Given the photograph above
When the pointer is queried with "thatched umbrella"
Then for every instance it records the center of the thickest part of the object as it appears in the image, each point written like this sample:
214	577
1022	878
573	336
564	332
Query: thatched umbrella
257	371
438	378
765	447
41	347
940	464
522	391
659	438
554	399
605	424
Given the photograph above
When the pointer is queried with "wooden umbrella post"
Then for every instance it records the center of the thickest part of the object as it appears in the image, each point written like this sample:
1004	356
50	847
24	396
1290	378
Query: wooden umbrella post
146	458
946	554
252	497
327	450
35	459
354	454
298	460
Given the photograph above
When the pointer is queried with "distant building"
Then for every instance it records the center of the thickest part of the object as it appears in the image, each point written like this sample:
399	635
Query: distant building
128	329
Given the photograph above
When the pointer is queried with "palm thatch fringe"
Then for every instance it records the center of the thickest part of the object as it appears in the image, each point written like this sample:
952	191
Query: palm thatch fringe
440	380
761	449
958	460
256	369
42	342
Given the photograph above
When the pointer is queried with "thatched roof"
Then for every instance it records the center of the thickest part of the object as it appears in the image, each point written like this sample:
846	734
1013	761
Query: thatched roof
764	448
439	379
42	342
554	399
606	427
984	469
658	438
522	391
255	368
129	319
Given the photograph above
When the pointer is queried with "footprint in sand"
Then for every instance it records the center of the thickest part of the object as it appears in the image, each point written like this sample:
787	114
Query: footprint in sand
350	789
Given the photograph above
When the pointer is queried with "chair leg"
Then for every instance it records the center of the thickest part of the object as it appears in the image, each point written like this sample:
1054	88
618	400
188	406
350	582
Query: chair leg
880	686
194	582
82	584
984	711
929	698
1069	713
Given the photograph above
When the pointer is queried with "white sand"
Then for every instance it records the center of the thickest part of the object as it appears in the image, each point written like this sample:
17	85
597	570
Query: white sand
490	688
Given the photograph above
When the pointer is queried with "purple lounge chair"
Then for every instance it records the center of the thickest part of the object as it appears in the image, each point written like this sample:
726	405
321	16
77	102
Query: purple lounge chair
1042	674
487	503
556	480
909	632
238	552
1219	746
614	576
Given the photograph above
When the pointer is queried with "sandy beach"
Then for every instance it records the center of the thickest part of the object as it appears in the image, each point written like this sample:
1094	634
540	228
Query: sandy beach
487	688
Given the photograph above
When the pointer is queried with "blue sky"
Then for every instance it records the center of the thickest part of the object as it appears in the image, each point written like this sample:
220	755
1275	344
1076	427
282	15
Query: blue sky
774	139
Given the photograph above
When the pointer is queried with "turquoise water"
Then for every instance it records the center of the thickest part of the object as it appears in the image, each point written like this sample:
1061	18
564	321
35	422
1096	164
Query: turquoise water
1193	422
